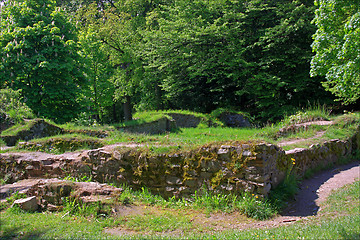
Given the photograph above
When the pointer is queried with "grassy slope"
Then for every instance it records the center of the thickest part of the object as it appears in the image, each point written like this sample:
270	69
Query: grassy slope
194	137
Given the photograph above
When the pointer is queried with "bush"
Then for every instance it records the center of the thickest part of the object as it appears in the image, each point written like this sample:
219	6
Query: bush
12	107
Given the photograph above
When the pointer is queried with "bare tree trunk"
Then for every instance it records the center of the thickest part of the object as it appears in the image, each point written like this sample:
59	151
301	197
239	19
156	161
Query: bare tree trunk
127	109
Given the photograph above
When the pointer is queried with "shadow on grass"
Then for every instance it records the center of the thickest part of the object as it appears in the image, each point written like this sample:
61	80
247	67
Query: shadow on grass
17	232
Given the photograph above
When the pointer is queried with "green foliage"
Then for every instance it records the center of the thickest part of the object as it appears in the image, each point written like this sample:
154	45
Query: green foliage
251	56
100	91
12	106
10	200
312	113
84	119
74	206
62	143
39	55
195	49
83	178
337	47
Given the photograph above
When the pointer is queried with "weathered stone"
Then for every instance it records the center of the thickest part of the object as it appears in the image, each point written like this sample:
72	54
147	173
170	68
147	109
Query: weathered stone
247	153
191	183
234	120
224	154
267	163
27	204
173	180
264	189
257	177
185	120
156	127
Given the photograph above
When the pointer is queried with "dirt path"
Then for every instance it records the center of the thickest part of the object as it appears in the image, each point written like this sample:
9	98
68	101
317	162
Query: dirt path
290	142
313	192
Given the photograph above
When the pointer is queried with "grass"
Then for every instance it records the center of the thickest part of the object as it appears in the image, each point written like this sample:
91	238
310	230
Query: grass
61	143
12	131
339	219
186	138
312	113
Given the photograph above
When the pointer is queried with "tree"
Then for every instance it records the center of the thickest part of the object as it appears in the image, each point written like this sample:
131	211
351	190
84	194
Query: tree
251	55
195	50
337	47
280	34
118	25
39	55
100	91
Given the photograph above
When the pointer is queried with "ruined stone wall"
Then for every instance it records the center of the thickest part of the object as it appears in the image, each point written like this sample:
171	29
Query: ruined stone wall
185	120
39	128
252	167
156	127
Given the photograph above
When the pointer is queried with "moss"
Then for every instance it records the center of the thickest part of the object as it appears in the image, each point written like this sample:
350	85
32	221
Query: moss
217	179
60	145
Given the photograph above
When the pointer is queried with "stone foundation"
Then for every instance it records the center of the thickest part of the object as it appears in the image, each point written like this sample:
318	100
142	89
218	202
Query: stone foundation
251	167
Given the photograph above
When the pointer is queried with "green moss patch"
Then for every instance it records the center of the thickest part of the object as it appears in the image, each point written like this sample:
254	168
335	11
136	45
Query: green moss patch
61	144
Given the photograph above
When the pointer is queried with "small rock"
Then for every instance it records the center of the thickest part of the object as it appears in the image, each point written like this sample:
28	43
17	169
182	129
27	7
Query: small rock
27	204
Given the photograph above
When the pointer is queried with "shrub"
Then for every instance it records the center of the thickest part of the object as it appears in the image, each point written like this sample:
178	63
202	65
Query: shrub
12	106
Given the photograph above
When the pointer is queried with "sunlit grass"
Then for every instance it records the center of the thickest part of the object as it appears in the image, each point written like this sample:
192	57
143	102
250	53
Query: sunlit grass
339	219
188	138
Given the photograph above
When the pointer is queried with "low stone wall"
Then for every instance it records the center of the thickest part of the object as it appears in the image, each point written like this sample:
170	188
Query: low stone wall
234	120
156	127
251	167
185	120
39	128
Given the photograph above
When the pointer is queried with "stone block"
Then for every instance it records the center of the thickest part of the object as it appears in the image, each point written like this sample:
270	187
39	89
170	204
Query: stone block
27	204
264	189
173	180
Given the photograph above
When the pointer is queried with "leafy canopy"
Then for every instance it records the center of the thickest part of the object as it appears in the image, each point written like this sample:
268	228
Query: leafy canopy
337	47
38	49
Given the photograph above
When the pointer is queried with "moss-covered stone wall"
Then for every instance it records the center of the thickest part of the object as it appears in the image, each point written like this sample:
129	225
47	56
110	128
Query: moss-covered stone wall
253	167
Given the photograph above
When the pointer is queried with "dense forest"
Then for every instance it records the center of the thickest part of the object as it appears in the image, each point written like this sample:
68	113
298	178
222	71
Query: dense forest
105	59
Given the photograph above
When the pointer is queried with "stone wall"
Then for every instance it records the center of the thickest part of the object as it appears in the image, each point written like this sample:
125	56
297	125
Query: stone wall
156	127
38	128
234	120
185	120
252	167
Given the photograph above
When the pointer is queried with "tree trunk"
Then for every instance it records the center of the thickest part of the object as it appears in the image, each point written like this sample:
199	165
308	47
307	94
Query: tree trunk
114	113
127	109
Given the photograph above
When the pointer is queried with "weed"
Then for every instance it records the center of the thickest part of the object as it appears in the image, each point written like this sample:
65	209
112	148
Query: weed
254	207
82	178
213	202
312	113
10	200
74	206
286	189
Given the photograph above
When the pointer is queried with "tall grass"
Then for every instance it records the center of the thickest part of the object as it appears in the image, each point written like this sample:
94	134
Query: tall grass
312	113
